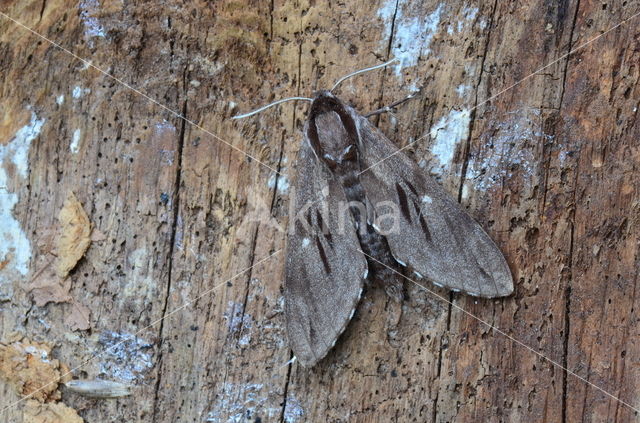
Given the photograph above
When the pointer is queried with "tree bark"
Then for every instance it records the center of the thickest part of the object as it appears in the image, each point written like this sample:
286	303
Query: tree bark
532	130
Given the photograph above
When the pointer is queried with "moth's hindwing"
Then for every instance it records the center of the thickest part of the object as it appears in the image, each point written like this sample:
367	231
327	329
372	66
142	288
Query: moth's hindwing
324	266
435	236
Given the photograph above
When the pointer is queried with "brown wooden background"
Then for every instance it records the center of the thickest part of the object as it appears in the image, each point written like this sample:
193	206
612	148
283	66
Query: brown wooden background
549	167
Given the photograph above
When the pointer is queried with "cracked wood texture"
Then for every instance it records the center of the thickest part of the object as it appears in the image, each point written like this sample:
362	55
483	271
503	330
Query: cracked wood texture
549	166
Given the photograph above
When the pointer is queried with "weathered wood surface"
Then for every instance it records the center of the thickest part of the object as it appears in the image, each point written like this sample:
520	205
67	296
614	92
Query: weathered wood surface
549	167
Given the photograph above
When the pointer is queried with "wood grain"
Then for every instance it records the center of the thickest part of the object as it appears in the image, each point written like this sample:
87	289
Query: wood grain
185	285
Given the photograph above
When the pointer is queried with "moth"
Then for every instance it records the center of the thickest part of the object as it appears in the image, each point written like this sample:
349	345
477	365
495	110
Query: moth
350	177
346	159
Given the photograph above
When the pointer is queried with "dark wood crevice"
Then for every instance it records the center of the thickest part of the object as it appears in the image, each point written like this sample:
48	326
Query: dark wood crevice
175	203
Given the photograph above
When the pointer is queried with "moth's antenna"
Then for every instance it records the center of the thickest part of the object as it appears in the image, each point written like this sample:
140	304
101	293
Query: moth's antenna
363	71
269	105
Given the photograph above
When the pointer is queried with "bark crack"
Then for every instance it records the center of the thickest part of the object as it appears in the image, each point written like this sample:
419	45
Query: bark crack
472	117
566	63
286	389
271	10
567	292
567	327
44	4
567	309
545	184
387	55
393	24
174	227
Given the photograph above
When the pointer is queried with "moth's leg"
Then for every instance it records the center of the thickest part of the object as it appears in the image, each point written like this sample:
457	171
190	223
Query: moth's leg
391	282
394	287
387	109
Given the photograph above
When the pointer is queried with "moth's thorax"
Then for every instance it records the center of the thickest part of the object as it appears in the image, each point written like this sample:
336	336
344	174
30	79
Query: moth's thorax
331	130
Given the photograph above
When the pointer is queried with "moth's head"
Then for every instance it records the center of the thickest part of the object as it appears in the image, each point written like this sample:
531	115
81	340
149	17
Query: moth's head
331	130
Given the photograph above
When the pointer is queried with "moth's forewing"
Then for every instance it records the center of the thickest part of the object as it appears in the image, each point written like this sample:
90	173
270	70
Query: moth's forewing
324	268
435	236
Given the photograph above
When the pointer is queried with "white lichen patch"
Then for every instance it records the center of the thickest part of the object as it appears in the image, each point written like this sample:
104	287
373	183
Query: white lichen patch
271	182
468	14
244	402
92	26
60	99
280	182
75	141
36	352
238	322
165	125
125	357
79	92
412	34
446	135
466	89
283	184
293	412
15	249
564	156
507	148
462	90
245	331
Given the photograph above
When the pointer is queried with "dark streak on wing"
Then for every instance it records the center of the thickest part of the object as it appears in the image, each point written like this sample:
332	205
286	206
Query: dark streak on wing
423	222
320	221
324	230
329	239
312	334
299	226
404	203
323	255
411	187
425	228
308	216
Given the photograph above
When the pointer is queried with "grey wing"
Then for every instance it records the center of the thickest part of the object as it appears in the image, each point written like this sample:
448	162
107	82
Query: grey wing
434	235
325	269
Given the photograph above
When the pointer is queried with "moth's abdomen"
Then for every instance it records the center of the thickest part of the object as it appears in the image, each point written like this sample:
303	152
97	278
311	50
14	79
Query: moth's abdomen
372	243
